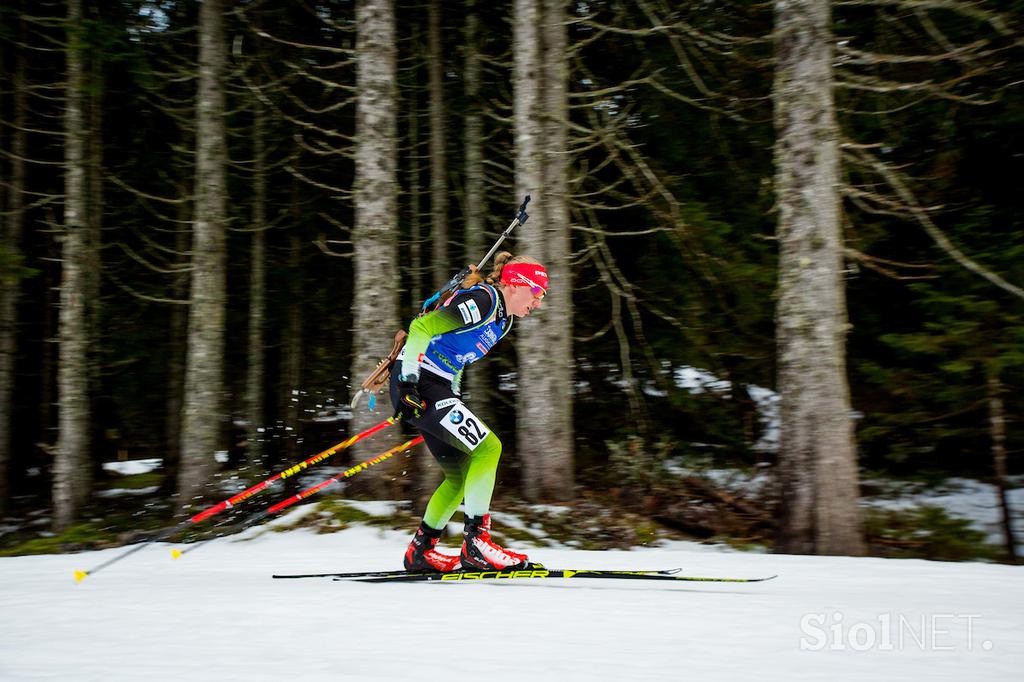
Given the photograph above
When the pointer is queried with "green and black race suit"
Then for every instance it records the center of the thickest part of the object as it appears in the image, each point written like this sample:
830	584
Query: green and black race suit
459	333
440	345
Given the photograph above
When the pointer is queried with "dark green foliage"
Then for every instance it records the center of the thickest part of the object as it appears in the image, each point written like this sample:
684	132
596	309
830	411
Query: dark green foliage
13	268
926	332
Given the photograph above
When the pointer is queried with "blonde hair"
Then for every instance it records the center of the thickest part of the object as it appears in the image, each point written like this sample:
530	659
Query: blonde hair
494	278
501	260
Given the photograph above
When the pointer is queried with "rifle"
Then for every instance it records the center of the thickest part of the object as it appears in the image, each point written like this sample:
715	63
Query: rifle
381	375
456	281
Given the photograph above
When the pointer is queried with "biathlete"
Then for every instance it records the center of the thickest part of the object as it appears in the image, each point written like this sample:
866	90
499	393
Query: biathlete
425	390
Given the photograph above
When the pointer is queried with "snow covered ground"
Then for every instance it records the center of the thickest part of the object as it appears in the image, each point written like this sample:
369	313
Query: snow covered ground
217	615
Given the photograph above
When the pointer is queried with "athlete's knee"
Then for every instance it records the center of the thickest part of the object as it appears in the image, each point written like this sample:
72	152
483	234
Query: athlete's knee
490	447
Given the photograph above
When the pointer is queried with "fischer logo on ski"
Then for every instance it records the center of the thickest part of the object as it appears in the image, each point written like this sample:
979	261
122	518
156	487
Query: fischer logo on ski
495	575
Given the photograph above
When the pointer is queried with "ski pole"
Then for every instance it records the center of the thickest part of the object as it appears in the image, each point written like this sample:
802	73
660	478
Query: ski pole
454	282
240	497
407	445
291	471
163	535
308	492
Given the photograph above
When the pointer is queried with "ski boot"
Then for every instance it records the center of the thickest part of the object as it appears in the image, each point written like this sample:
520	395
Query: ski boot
421	557
479	551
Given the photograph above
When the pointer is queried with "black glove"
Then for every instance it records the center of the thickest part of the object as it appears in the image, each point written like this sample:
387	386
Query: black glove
410	404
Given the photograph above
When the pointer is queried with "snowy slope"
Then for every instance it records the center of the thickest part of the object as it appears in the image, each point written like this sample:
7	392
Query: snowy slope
216	615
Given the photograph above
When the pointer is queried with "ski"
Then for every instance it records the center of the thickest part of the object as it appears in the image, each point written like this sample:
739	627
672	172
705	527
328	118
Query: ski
544	573
343	576
401	573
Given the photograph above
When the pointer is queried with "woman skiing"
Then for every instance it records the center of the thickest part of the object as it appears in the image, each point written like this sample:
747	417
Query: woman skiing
425	389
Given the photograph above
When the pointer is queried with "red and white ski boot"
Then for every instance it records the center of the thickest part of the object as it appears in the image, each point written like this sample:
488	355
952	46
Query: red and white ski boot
421	557
479	551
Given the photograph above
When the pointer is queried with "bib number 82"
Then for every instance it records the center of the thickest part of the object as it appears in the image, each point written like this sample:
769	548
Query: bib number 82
471	432
465	426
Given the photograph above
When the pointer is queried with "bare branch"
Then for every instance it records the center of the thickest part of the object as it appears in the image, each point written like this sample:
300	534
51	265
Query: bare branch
924	219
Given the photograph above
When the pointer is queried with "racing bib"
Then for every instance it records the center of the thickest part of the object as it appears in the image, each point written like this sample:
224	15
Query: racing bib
465	426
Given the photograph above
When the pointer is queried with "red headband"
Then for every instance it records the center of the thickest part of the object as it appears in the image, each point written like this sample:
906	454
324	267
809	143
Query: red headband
525	275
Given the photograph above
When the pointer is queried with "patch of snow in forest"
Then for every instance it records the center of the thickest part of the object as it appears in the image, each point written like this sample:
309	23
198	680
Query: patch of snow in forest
738	481
550	508
377	507
964	498
698	381
127	492
333	414
513	521
767	402
132	467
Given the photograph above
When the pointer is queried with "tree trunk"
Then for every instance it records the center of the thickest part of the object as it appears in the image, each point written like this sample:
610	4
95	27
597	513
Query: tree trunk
10	289
997	421
177	348
479	377
46	425
8	294
375	308
204	365
415	194
440	264
254	398
94	270
425	473
817	456
291	365
96	200
557	479
73	476
544	341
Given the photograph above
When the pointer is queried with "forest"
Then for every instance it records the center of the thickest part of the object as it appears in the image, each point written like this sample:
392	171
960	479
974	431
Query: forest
785	239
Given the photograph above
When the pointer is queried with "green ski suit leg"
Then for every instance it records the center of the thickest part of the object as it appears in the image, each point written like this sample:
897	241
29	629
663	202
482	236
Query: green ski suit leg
467	475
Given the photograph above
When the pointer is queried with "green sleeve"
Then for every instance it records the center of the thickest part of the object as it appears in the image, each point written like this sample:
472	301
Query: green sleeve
422	330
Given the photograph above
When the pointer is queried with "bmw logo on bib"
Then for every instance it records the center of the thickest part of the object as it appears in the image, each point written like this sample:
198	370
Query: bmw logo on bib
456	417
